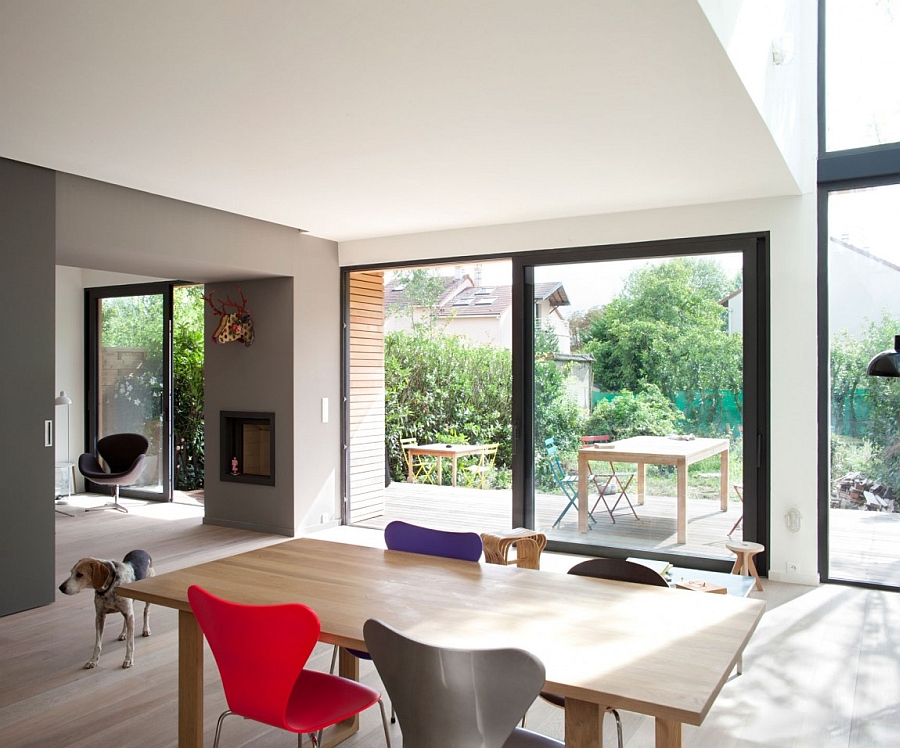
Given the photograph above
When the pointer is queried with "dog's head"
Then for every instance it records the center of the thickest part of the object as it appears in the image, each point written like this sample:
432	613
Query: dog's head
88	572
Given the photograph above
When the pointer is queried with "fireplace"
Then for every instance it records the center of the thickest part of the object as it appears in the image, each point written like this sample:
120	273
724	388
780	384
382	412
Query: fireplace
247	447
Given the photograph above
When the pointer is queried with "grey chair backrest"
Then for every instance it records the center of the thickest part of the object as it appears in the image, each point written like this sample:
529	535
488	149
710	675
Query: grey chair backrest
453	698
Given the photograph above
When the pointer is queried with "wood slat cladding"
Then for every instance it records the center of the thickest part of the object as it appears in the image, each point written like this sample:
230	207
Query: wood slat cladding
366	412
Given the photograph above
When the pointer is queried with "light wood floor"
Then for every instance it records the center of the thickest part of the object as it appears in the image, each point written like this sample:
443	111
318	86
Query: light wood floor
823	669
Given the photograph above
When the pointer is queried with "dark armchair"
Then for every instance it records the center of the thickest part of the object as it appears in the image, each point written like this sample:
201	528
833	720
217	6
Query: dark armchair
124	456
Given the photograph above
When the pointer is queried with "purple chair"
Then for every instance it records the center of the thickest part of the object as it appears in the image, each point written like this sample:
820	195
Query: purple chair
402	536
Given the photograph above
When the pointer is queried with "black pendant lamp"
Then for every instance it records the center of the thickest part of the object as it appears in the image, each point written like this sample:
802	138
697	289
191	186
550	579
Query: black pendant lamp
886	363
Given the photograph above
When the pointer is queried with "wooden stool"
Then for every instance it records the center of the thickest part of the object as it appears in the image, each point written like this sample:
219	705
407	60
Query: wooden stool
528	543
743	564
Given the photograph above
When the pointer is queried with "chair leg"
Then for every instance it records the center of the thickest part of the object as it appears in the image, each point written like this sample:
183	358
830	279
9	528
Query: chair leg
618	727
384	722
222	717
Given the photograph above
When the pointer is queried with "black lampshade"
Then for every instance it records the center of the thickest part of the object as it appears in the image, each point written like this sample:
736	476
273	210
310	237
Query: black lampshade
886	363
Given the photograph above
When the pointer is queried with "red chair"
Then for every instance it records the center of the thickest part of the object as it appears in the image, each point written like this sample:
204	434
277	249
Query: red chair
261	651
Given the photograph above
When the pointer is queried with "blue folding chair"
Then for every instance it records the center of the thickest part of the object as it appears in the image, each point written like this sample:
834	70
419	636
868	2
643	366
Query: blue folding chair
567	483
403	536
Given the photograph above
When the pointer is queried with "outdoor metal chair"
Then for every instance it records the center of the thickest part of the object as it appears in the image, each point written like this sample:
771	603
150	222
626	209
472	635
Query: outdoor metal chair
612	484
478	474
568	483
417	466
464	698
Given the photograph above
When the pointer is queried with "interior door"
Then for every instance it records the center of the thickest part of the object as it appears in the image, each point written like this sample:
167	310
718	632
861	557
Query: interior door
129	355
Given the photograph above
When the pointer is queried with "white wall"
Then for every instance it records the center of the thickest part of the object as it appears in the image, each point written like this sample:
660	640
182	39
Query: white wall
792	223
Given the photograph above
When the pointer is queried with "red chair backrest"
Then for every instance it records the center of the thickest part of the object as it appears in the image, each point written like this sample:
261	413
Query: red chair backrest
260	651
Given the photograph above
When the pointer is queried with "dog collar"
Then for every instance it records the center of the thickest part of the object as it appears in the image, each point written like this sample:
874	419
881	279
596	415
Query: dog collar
111	580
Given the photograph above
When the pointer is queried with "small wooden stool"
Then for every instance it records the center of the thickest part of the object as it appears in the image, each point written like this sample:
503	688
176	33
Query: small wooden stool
528	543
743	564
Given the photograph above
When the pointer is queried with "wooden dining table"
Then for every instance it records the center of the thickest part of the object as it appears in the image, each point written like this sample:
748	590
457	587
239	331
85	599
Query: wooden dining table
441	451
652	650
656	450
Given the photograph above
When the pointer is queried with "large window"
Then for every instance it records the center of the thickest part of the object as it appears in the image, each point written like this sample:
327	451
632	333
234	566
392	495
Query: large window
859	243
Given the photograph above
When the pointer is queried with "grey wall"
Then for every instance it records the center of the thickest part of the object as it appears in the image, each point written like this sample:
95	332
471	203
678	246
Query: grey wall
27	249
253	378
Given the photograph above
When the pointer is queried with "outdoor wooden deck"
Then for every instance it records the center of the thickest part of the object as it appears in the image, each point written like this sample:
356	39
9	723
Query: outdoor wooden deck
473	509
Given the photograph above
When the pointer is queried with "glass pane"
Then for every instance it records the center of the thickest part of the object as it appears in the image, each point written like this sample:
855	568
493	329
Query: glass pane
641	358
864	316
862	73
131	376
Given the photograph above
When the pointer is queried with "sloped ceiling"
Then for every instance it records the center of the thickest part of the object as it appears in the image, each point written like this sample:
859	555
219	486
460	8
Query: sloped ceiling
358	119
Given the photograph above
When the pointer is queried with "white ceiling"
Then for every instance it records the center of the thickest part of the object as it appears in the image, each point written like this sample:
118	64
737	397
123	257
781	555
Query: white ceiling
357	119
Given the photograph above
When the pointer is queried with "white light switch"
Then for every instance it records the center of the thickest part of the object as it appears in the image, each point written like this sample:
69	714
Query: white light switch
324	410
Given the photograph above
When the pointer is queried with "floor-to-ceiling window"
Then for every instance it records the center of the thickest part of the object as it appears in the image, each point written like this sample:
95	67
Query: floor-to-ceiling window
859	245
656	350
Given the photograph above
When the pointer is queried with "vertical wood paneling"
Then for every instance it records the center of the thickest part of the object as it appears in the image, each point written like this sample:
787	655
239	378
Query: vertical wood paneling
366	412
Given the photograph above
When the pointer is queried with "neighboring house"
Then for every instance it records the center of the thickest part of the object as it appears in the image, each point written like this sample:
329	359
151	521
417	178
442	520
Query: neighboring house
479	313
861	274
734	305
482	314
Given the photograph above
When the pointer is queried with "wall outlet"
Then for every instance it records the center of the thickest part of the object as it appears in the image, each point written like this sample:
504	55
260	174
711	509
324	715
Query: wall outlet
792	567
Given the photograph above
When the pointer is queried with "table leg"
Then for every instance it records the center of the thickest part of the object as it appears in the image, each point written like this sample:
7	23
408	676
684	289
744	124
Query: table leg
583	469
584	724
642	482
453	473
440	480
723	483
190	681
668	733
681	508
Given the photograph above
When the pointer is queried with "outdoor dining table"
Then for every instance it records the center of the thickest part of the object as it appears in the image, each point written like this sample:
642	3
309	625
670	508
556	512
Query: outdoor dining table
645	649
657	450
453	451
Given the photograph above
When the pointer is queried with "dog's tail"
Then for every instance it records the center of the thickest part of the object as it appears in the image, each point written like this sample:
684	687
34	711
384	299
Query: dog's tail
141	563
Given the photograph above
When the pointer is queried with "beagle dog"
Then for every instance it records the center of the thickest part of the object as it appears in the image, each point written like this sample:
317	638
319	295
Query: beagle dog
104	577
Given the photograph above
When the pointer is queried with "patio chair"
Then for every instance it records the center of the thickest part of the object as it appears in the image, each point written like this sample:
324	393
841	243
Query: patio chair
612	484
617	569
568	483
264	675
459	698
417	466
478	474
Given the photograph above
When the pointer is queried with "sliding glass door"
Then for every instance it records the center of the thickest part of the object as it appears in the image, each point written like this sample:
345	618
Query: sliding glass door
129	375
641	355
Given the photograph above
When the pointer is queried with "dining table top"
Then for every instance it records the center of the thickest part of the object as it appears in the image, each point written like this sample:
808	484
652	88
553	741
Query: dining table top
658	449
650	650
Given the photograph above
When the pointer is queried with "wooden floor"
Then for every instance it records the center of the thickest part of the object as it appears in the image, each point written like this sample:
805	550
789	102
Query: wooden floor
822	670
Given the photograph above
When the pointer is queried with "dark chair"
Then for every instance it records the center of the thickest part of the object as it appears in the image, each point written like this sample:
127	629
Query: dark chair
124	456
403	536
457	697
567	483
261	652
619	570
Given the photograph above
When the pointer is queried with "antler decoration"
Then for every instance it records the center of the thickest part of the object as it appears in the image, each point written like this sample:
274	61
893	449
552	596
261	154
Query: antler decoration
234	325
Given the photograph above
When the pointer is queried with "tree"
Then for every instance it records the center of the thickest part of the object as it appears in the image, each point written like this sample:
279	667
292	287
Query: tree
422	291
667	328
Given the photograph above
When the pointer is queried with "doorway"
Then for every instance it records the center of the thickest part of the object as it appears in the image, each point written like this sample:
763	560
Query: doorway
144	362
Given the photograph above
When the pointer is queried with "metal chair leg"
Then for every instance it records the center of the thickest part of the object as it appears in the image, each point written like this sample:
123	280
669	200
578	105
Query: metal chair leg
222	717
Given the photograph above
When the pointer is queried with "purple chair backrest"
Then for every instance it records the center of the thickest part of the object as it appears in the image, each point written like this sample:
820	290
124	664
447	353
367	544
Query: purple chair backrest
402	536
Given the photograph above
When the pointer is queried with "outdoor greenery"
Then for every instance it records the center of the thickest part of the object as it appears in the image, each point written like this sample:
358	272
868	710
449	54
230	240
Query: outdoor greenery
865	410
667	328
136	322
187	383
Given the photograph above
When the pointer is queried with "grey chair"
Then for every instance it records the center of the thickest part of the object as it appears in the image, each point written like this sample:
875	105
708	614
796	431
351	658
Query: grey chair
619	570
465	698
124	456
